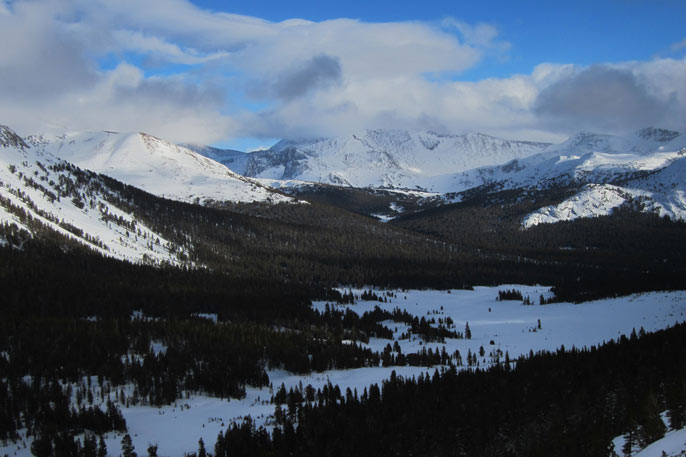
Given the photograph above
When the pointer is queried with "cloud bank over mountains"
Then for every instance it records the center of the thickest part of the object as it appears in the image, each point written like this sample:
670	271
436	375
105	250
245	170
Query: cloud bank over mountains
180	72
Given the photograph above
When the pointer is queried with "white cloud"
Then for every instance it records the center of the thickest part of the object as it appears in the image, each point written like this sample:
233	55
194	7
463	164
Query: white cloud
130	40
122	99
50	73
316	78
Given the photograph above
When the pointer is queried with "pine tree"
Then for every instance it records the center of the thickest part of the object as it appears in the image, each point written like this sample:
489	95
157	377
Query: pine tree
675	404
201	448
89	448
41	446
629	441
467	331
102	448
152	450
127	447
652	427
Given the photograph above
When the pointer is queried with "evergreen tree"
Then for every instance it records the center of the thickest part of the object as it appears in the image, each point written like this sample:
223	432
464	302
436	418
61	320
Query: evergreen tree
201	448
652	427
65	445
127	447
102	447
152	450
41	446
675	405
90	446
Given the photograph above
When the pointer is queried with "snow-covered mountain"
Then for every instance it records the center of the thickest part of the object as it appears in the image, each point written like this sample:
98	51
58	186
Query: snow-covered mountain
644	167
41	193
647	167
585	157
155	165
661	189
380	158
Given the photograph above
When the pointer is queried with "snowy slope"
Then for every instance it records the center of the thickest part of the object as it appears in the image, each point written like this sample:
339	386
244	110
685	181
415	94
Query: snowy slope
660	189
40	192
647	167
154	165
383	158
594	200
672	445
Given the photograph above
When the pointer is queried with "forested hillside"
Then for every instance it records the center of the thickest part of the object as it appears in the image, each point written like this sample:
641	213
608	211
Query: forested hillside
567	403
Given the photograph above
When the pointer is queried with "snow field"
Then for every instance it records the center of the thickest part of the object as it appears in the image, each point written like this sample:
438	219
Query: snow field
512	326
509	324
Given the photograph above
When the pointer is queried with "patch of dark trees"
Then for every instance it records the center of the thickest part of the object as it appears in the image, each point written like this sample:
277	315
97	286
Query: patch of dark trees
565	403
628	251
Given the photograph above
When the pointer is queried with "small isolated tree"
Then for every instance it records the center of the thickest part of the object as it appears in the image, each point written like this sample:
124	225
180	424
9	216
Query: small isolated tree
152	450
467	331
127	448
629	440
201	448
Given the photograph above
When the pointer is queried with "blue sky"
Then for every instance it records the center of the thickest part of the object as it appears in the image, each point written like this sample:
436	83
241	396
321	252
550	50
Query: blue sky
580	31
244	74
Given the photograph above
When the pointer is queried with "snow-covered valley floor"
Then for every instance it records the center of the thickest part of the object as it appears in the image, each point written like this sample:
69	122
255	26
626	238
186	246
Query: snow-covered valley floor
506	325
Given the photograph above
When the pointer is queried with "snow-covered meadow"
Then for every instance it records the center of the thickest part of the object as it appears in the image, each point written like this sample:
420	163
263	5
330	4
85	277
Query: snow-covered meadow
510	325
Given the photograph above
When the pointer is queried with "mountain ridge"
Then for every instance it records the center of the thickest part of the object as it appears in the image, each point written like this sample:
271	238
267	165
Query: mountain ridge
155	165
381	158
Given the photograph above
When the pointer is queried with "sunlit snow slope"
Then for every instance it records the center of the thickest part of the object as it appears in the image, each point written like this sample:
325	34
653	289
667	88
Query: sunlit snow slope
40	193
157	166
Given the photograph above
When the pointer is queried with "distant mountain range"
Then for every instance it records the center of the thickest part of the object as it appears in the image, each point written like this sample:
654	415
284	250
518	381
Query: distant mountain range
54	181
645	168
375	158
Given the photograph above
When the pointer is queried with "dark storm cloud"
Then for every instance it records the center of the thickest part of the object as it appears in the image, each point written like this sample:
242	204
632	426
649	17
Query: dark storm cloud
317	73
173	92
600	97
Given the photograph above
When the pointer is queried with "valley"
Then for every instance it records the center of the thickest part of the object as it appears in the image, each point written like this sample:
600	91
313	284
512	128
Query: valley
174	297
